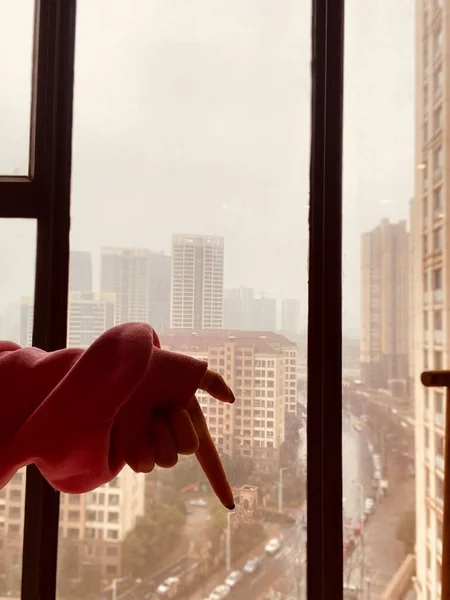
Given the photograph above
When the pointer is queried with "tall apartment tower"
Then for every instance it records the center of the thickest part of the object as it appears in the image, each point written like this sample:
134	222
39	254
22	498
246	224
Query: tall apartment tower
197	282
429	346
384	307
290	316
140	280
80	271
89	315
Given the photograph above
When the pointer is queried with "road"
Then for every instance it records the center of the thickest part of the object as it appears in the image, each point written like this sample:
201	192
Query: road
282	572
285	572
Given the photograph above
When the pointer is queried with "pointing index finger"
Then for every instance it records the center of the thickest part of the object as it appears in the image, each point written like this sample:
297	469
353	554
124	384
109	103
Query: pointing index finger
209	458
215	385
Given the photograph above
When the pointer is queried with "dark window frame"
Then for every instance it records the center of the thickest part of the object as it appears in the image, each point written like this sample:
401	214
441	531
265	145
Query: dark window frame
44	195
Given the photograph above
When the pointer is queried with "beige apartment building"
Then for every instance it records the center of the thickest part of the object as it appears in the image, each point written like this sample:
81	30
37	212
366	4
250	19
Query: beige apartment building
93	525
261	369
385	307
430	272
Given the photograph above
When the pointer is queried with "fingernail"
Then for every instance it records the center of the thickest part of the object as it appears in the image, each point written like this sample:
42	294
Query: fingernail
231	507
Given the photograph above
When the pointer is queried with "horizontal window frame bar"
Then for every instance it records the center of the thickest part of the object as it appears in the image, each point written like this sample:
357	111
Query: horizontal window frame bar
18	198
324	365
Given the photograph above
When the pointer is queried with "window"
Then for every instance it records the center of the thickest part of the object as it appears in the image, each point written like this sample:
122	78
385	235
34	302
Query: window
113	500
222	134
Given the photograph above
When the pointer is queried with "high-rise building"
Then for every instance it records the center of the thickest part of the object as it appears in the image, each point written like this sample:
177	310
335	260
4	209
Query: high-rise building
261	369
385	307
80	271
238	308
124	272
264	317
26	321
140	280
431	277
242	311
159	275
89	315
197	282
290	316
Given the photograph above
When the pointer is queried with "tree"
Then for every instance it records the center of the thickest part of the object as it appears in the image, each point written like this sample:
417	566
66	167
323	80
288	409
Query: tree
406	531
216	525
76	579
187	472
246	536
239	470
294	488
152	539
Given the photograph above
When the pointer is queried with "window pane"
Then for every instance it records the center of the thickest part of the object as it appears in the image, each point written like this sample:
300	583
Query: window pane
17	263
393	315
16	51
190	185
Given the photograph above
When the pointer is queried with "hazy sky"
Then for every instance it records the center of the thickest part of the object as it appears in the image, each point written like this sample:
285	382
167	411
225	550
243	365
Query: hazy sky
193	116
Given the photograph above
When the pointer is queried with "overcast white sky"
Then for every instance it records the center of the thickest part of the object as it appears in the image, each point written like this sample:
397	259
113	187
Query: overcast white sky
193	116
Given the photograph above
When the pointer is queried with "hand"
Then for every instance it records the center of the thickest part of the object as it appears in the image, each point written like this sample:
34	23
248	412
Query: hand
184	431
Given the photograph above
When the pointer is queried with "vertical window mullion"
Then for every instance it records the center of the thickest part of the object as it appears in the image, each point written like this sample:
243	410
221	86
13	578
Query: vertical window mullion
50	169
324	426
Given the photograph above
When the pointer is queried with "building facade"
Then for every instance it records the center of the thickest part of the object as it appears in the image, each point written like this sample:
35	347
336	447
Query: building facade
261	369
429	252
290	316
197	282
80	271
245	312
385	307
140	280
91	525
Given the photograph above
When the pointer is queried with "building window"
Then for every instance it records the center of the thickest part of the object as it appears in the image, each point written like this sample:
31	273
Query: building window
114	500
73	533
113	517
112	534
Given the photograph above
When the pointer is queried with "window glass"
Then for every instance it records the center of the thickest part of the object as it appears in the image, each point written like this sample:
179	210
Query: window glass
16	51
189	212
392	274
17	265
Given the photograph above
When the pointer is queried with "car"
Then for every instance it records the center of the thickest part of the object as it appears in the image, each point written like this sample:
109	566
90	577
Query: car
273	546
368	506
198	502
252	565
220	592
233	578
168	587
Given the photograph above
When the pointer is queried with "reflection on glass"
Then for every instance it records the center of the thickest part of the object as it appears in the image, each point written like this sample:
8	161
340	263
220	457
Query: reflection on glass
17	265
394	151
16	51
190	180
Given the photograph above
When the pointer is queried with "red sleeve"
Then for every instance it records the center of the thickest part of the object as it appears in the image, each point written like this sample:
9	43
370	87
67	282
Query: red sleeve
78	415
